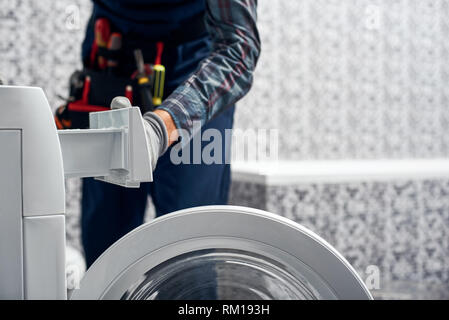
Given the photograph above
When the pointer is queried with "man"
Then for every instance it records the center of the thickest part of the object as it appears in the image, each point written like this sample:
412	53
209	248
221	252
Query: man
205	76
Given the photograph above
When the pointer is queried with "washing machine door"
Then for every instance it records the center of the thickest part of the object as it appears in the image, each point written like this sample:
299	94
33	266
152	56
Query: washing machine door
221	252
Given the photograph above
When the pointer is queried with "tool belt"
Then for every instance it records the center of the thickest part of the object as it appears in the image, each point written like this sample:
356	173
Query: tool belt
92	91
93	88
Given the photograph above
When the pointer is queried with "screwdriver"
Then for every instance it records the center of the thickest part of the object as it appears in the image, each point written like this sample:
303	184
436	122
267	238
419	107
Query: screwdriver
144	83
102	33
129	93
114	44
159	75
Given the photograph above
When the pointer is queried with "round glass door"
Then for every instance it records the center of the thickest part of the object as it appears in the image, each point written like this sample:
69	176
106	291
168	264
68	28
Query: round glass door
221	252
221	274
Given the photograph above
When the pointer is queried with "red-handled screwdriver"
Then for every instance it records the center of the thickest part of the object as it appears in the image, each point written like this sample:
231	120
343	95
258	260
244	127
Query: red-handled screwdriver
102	34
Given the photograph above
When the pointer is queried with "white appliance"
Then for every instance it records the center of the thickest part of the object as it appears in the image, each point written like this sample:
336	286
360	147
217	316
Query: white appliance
236	252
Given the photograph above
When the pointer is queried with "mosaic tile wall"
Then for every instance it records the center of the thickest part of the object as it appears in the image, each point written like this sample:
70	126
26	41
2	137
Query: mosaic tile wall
402	227
353	78
343	79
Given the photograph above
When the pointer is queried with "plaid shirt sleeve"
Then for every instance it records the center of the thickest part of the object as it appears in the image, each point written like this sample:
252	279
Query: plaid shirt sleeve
226	74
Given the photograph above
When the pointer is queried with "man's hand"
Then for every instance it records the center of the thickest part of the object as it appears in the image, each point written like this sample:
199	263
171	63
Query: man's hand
155	129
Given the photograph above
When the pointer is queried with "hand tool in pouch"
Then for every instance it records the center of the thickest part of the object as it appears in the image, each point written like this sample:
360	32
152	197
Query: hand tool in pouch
114	45
159	75
144	83
102	34
129	93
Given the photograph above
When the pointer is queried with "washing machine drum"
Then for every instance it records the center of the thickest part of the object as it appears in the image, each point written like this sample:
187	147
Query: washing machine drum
221	252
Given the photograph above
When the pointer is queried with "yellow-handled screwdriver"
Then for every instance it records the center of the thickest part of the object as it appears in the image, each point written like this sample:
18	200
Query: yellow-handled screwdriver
158	76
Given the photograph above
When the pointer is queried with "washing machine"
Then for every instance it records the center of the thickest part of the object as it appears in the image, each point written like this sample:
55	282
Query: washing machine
215	252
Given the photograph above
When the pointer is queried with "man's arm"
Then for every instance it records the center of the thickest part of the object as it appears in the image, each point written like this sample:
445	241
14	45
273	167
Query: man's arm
222	78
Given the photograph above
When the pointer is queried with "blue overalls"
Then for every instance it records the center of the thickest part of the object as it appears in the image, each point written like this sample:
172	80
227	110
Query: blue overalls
109	211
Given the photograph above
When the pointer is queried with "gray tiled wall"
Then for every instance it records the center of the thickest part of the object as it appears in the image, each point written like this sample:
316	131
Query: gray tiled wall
402	227
343	79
